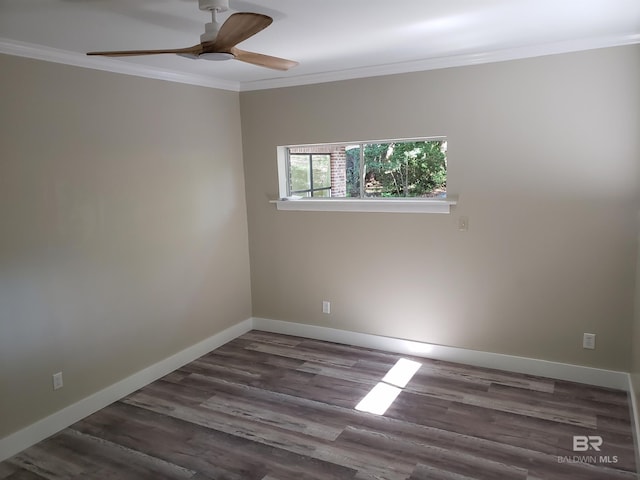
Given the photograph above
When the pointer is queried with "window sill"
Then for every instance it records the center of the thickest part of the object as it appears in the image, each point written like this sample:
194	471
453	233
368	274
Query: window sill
391	205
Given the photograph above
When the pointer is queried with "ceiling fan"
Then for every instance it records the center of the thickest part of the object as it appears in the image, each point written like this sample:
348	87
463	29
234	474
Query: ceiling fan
219	40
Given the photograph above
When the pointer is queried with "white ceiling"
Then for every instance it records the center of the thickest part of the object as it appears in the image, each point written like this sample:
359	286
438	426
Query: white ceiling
331	39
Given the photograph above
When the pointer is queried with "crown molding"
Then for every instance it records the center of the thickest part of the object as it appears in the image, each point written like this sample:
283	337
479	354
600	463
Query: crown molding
48	54
38	52
447	62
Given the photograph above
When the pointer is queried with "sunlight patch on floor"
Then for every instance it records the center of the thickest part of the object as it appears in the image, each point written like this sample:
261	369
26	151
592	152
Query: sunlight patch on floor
380	397
402	372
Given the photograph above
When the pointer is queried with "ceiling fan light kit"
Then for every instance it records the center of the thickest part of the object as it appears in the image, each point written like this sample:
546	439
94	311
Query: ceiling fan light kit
219	40
216	56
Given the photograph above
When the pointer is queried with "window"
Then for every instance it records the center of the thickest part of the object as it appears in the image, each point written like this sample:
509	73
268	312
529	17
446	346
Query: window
389	169
385	170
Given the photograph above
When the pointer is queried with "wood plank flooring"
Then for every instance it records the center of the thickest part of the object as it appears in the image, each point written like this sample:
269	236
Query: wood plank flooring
276	407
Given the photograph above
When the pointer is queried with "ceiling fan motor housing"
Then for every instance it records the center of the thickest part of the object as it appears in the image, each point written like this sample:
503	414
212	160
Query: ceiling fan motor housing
210	31
214	5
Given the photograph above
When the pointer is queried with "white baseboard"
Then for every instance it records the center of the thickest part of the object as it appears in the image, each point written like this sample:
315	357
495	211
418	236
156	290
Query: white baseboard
510	363
52	424
28	436
635	427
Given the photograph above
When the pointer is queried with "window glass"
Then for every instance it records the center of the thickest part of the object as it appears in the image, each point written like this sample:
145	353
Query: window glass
299	172
352	171
321	171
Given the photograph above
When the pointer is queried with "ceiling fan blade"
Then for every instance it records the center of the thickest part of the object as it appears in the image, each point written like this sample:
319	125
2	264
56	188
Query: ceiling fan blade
261	60
195	50
237	28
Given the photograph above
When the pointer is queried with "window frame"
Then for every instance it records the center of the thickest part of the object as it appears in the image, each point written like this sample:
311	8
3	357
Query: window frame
286	201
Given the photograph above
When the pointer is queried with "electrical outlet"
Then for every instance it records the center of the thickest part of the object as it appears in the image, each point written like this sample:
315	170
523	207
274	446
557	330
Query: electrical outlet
326	307
589	341
57	381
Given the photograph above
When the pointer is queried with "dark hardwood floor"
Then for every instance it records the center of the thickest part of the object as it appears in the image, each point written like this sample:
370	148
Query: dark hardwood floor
275	407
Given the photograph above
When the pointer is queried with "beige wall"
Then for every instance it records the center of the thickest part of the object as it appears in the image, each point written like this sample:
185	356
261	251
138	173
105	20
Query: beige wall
544	155
635	336
123	228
